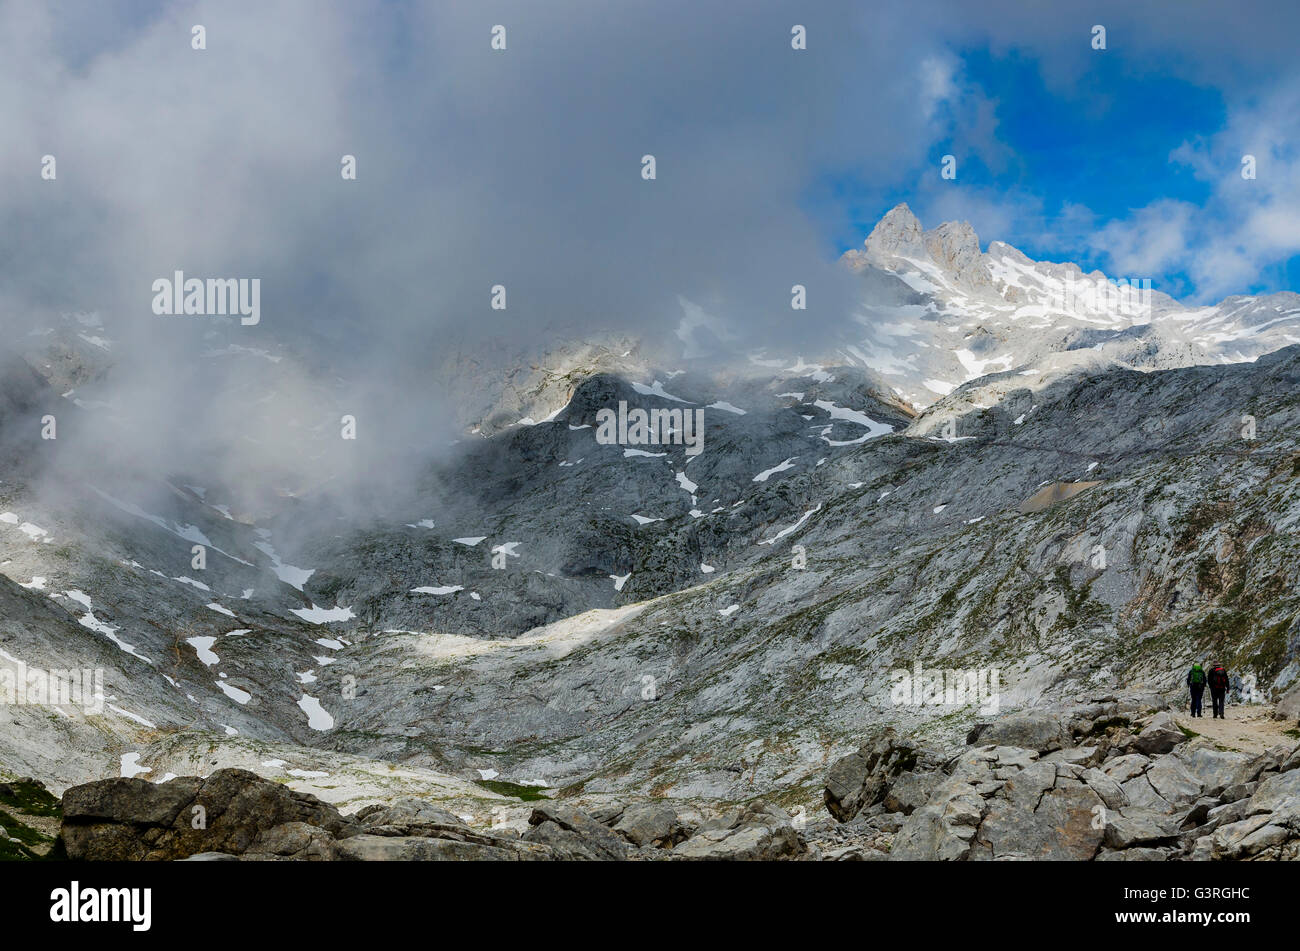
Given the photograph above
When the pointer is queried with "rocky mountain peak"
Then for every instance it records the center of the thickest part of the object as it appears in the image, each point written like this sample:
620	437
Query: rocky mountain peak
955	247
898	233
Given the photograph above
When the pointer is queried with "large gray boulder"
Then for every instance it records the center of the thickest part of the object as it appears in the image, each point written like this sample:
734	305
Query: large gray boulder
414	830
943	828
1123	768
294	841
1279	796
1040	732
134	820
1110	792
1044	812
1288	707
862	779
1161	735
1245	839
1131	827
406	814
1174	783
652	824
1215	769
757	832
1143	795
573	832
1275	759
910	791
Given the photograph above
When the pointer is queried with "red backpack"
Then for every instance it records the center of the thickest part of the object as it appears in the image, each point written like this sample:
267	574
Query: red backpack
1218	679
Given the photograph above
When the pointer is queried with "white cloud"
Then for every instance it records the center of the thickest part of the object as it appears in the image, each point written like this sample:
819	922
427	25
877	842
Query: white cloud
937	82
1243	227
1153	241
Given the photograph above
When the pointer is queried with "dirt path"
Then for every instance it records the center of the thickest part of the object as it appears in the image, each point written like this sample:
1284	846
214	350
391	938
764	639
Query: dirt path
1248	729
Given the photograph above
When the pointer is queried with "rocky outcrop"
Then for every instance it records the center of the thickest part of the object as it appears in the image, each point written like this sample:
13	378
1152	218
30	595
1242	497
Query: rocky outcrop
1002	803
1288	706
1161	735
866	777
575	834
414	830
1269	827
652	824
230	811
1041	732
236	815
756	832
1149	795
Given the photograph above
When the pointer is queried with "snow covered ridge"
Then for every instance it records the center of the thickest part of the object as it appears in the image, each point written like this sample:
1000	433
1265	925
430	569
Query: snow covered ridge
937	312
655	427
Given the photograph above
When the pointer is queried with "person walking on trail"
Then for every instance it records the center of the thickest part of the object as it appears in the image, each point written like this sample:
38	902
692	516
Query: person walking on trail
1196	683
1218	680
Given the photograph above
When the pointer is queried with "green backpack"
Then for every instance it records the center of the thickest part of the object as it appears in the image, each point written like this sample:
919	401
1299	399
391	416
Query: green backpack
1198	677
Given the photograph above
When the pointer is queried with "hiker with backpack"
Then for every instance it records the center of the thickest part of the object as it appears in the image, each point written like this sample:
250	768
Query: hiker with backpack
1196	683
1218	680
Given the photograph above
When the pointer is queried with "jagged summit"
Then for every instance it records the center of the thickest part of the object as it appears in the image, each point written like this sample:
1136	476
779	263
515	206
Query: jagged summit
953	246
976	313
898	233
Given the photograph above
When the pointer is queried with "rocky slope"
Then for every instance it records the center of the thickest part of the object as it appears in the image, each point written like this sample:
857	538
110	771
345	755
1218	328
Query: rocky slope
1112	779
624	627
708	688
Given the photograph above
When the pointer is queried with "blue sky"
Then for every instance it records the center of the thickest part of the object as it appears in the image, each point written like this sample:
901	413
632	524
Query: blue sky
1128	163
1105	147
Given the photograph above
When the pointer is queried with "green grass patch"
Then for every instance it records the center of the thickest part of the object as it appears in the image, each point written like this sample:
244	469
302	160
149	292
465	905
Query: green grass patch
16	852
20	846
27	797
23	833
524	793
